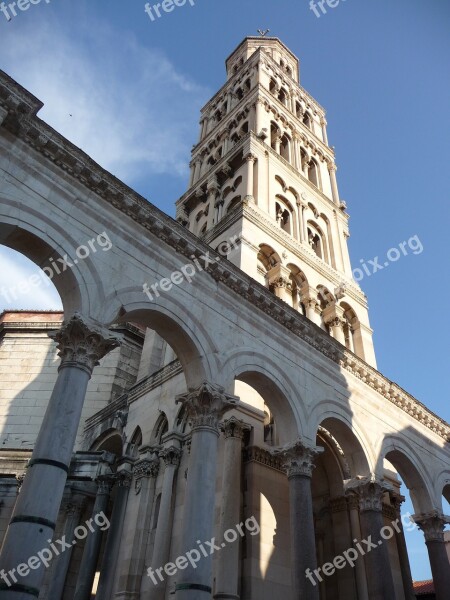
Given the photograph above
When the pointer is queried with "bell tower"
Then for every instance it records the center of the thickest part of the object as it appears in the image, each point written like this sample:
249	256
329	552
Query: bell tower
263	171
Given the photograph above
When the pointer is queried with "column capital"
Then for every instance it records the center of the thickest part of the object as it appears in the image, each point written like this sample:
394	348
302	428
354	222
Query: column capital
104	484
147	465
332	168
432	524
298	458
250	157
206	405
171	456
369	491
234	428
82	343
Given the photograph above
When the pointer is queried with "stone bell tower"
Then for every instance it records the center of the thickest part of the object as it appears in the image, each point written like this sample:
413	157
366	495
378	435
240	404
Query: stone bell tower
263	171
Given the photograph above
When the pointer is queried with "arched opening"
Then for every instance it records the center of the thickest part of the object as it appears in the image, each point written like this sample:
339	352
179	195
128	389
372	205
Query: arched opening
267	259
316	240
284	214
109	441
298	282
285	147
283	96
313	173
352	330
275	137
307	120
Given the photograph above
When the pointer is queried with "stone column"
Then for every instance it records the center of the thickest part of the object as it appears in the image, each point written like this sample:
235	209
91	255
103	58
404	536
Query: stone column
360	567
161	549
205	406
277	144
81	344
250	159
278	279
213	189
379	575
333	316
93	542
403	557
334	187
227	572
298	460
310	300
432	524
323	123
112	546
61	563
145	472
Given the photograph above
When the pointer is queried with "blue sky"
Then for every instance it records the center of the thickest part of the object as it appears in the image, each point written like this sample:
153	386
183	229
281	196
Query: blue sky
134	89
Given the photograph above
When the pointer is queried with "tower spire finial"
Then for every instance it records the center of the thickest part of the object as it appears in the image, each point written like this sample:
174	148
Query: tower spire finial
263	33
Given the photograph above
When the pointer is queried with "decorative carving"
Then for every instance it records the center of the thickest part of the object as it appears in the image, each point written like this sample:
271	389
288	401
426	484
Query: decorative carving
263	457
206	405
432	524
234	428
369	490
171	456
298	458
82	343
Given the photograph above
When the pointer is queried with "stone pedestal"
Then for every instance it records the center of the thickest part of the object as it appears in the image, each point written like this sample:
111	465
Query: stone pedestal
81	344
227	572
205	406
298	460
432	524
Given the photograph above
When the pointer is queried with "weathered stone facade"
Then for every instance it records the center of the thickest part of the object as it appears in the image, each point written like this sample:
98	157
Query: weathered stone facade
250	392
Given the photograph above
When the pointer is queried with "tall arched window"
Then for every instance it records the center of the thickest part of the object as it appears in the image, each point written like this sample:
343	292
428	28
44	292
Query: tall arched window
352	330
284	215
307	120
313	173
285	147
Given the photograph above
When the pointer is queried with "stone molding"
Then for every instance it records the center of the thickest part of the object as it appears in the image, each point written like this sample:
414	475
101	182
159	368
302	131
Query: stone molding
264	457
206	405
82	343
298	458
234	428
432	524
26	126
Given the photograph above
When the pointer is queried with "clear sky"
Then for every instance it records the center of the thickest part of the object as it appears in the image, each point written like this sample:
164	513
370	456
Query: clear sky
128	90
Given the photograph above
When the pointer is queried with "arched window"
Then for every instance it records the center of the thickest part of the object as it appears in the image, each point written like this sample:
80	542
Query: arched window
273	86
307	120
285	147
315	241
352	330
282	96
313	173
267	259
275	135
298	281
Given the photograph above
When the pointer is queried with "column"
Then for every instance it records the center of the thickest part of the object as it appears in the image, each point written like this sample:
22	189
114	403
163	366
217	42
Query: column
278	279
91	550
403	557
432	524
310	300
161	549
298	460
145	472
227	572
250	158
334	187
277	144
205	406
360	567
112	546
81	344
379	575
323	123
213	189
299	221
61	563
333	316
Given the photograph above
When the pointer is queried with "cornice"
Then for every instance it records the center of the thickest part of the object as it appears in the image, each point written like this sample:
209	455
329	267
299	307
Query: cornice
21	121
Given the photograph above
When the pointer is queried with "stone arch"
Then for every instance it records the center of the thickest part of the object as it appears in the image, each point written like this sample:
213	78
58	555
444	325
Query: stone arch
110	441
46	243
270	381
339	421
176	324
160	428
442	486
411	469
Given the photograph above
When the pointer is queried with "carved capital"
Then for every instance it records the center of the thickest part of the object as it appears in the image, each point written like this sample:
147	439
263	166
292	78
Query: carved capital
104	485
298	458
206	405
171	456
369	491
82	343
332	168
432	524
234	428
250	158
147	465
